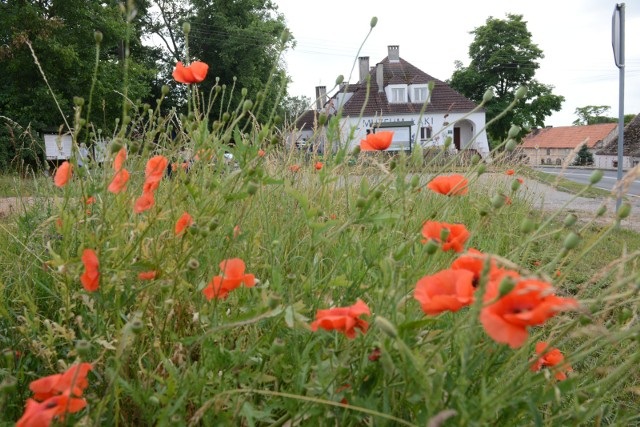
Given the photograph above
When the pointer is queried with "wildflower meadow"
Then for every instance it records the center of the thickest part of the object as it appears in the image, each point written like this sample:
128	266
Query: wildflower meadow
207	272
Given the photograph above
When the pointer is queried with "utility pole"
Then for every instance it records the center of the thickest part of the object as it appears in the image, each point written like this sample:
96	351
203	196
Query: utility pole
617	40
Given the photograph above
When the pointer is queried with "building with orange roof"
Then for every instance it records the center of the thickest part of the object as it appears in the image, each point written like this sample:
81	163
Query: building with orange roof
552	145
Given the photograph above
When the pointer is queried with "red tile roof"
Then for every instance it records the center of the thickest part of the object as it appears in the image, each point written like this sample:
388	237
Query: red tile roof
568	136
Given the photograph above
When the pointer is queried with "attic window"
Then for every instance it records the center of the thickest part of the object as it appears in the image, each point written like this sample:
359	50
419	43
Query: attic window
398	95
419	94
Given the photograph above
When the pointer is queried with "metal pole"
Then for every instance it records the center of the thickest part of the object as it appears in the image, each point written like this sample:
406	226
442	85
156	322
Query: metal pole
621	106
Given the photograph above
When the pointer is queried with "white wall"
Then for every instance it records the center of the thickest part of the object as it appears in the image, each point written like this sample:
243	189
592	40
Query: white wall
606	162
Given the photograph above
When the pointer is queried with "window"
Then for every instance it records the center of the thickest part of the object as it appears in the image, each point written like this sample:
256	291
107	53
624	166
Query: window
542	161
549	161
615	163
425	133
420	94
548	151
398	95
558	161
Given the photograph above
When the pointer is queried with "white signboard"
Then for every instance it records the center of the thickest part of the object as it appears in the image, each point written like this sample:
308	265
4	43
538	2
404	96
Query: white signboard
401	138
57	147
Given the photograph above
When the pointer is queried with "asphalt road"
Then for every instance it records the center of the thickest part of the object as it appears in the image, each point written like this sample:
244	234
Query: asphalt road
582	176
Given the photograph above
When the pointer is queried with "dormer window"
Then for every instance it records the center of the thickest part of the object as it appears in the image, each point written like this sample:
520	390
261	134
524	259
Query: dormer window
398	95
419	94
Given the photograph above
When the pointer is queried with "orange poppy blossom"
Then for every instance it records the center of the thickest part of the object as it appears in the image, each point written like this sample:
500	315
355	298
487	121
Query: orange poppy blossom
550	357
41	414
294	168
90	200
447	290
63	174
194	73
90	279
73	381
343	319
144	202
458	234
531	302
261	153
318	166
147	275
154	171
451	185
376	141
119	160
185	221
510	172
232	277
520	180
473	260
119	181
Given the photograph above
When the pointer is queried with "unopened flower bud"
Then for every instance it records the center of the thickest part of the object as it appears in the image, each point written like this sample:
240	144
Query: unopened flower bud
226	116
322	119
506	285
244	91
515	185
527	226
431	246
374	22
488	95
521	92
165	90
415	181
514	131
116	146
596	176
571	241
339	79
475	159
248	104
97	36
444	234
136	325
186	27
511	145
601	210
79	101
447	142
83	347
481	168
356	150
252	188
386	326
624	210
497	201
570	220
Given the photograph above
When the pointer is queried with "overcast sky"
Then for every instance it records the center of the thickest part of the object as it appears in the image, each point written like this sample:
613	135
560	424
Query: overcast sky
575	36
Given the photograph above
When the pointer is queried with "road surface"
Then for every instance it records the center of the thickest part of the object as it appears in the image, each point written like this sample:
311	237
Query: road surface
582	176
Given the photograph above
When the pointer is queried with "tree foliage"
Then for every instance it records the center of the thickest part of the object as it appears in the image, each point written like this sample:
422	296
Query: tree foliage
503	58
595	114
583	157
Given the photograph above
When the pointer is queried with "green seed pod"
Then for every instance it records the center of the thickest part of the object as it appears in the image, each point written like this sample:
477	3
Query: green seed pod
527	226
431	246
601	210
79	101
322	119
153	400
218	88
488	95
570	220
444	234
515	185
514	131
377	194
136	326
186	27
244	92
506	285
624	210
497	201
356	150
483	212
361	202
339	79
165	90
447	142
83	347
393	164
481	168
248	104
374	22
116	146
277	120
475	159
225	117
126	120
274	140
386	326
134	147
97	35
521	92
284	37
571	241
278	346
511	145
252	188
596	176
415	181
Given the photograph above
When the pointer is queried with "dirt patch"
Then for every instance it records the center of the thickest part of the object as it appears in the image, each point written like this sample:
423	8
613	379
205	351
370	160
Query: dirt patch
11	205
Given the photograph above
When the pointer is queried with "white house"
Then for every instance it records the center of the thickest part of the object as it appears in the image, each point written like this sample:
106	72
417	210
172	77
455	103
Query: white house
397	92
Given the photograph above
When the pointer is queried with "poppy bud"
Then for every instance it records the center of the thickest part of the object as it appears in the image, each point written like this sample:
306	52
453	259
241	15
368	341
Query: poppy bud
364	187
165	90
278	346
322	119
248	104
225	117
514	131
506	285
431	246
259	96
488	95
154	400
186	27
116	146
624	210
79	101
447	142
444	234
483	212
126	120
386	326
374	22
475	159
97	36
361	202
510	145
497	201
481	168
571	241
277	120
218	88
136	326
521	92
244	92
570	220
193	264
83	347
601	210
284	37
252	188
339	79
393	164
356	150
596	176
515	185
415	181
377	194
274	140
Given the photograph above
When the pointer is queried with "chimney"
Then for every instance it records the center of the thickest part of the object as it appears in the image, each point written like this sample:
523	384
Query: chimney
380	77
321	97
364	67
394	53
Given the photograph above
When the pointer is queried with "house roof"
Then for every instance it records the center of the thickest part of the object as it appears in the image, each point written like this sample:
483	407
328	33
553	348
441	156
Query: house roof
307	120
631	143
443	98
568	136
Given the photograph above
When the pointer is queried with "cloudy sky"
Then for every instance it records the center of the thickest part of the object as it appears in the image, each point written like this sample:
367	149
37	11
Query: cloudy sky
575	36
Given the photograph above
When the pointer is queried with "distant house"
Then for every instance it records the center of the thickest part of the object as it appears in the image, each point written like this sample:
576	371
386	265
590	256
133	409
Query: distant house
552	145
397	91
607	157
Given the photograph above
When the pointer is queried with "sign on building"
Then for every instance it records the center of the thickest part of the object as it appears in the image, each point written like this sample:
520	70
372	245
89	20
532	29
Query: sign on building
57	147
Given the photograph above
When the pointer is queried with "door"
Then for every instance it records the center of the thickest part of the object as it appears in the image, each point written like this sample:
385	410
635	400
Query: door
456	138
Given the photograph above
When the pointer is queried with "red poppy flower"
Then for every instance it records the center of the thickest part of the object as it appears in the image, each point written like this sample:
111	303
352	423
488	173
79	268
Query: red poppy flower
452	185
91	277
294	168
119	181
73	381
473	260
520	180
185	221
232	277
531	302
261	153
447	290
194	73
458	234
318	166
41	414
63	174
144	202
345	319
118	162
147	275
510	172
375	354
156	167
376	141
90	200
550	357
507	200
